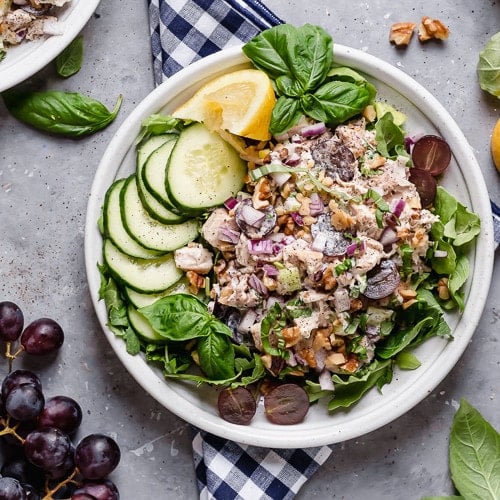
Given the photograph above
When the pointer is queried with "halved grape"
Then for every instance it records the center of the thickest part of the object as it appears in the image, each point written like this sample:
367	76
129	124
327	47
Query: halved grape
11	321
426	186
236	405
24	402
42	336
17	378
286	404
96	456
431	153
47	448
382	280
62	412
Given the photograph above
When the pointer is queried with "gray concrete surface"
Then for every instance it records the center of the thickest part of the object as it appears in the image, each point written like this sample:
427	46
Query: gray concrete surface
44	185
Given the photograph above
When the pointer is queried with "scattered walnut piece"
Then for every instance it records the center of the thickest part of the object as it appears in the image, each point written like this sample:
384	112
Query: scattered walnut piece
401	33
432	28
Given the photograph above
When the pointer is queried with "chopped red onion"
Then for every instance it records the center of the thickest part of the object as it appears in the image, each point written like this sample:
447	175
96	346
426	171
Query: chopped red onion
325	381
313	129
440	254
316	206
296	139
297	218
252	216
230	203
388	236
291	361
293	159
229	235
399	207
247	321
353	248
257	285
390	219
260	247
411	140
270	270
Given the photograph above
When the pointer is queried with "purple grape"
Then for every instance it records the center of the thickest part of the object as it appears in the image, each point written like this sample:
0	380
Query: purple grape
82	496
11	489
17	378
97	456
65	469
25	472
100	490
47	448
11	321
62	412
31	492
42	336
24	402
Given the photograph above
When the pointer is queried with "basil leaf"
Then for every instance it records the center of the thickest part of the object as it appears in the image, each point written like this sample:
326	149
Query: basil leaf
335	102
488	67
286	114
388	136
178	317
65	113
474	452
160	124
216	355
69	61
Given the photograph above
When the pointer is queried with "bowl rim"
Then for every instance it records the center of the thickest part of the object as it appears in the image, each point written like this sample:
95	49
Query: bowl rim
424	384
42	52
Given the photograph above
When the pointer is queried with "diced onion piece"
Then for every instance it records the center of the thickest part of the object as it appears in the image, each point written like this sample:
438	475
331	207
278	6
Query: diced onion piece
325	381
280	178
230	203
319	242
252	216
260	247
313	130
270	270
388	236
316	206
399	207
440	254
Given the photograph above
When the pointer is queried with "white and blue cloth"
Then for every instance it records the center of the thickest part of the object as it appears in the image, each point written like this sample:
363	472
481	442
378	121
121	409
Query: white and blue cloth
183	31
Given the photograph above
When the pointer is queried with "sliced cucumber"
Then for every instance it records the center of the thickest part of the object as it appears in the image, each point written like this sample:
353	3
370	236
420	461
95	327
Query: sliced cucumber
203	170
153	173
147	231
142	275
113	225
142	326
146	299
154	208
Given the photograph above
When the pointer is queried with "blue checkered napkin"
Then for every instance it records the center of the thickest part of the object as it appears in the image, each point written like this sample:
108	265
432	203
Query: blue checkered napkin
227	470
183	31
496	223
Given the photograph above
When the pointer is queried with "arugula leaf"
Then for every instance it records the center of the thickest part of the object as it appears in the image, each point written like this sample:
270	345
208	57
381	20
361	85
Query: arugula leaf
64	113
69	61
347	392
457	279
474	452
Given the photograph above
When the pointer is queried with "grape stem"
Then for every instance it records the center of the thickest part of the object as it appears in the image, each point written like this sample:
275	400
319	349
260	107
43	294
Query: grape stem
11	357
7	429
49	494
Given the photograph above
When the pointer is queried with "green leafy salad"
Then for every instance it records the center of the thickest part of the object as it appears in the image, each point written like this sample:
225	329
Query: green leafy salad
318	262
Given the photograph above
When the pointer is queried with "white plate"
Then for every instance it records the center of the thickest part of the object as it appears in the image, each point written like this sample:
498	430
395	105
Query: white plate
24	60
197	405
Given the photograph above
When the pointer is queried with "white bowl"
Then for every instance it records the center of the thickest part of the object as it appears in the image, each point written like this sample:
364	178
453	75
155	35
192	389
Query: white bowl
197	405
24	60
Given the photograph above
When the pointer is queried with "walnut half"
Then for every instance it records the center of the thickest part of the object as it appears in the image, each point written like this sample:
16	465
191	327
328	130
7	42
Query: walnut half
432	28
401	33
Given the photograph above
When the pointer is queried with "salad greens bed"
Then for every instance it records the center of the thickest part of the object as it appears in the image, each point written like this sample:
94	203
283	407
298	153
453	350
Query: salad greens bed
191	343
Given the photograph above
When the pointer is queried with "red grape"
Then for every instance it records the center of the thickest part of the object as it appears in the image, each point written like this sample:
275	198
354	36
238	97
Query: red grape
96	456
286	404
237	405
61	412
426	186
100	490
11	489
11	321
431	153
47	448
42	336
17	378
24	402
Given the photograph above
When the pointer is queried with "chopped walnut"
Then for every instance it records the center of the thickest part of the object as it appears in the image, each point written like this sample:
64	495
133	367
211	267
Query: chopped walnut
291	335
442	288
432	28
401	33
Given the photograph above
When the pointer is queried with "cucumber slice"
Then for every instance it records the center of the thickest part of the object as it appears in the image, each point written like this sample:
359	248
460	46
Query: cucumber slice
142	275
147	231
154	208
142	327
146	299
113	225
203	170
153	173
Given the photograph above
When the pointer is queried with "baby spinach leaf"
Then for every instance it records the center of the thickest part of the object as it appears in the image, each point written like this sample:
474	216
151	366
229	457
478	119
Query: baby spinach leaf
474	452
65	113
488	67
216	356
69	61
347	392
457	279
132	343
407	361
389	136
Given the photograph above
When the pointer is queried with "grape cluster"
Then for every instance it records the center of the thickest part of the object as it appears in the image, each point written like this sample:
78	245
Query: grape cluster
43	462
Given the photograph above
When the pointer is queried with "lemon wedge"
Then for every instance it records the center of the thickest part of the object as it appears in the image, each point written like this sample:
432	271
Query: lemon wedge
495	145
240	102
